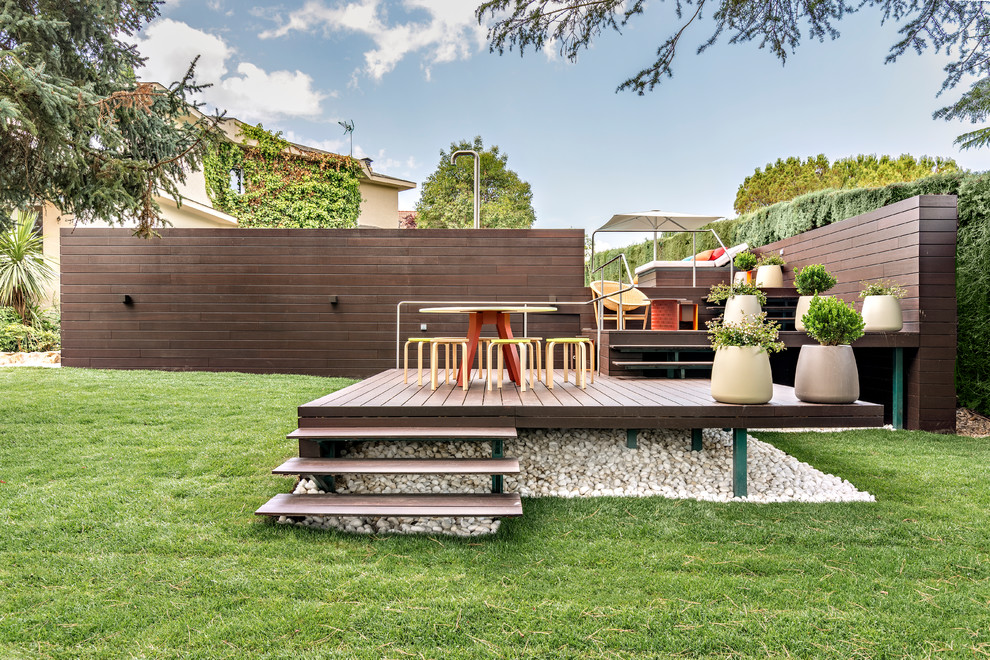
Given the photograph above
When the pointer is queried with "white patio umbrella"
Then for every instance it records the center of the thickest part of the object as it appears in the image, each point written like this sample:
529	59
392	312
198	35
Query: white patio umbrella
656	222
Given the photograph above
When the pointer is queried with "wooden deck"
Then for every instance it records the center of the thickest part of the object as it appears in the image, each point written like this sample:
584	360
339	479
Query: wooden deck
610	402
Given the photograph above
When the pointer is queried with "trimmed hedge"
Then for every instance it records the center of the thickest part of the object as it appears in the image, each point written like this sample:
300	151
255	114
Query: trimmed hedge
824	207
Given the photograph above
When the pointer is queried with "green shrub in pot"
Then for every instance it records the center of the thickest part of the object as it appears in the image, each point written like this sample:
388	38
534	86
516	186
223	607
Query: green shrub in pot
741	370
827	373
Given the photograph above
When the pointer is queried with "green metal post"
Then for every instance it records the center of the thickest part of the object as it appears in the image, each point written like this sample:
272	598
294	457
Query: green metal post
695	439
897	407
739	463
328	449
632	438
497	452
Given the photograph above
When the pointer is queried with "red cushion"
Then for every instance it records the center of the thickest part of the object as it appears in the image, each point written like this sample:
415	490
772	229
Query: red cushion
717	253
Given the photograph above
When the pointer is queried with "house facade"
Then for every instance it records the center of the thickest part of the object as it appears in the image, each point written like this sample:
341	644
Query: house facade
194	209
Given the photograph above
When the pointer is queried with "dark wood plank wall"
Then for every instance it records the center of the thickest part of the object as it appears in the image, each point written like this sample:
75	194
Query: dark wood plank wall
258	300
912	242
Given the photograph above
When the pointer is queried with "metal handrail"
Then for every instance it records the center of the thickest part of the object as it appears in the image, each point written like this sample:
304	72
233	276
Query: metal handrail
524	303
600	316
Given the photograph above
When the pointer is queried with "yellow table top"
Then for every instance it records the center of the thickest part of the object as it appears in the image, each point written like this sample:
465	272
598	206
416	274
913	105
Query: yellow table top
507	309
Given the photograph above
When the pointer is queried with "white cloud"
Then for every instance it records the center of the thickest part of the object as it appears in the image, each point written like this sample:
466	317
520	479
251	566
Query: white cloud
249	92
450	31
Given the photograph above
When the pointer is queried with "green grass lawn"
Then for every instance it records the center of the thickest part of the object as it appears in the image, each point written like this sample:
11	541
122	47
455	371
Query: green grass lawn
127	530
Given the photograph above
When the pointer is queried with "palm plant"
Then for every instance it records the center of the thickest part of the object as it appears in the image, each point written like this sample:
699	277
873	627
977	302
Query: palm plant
23	269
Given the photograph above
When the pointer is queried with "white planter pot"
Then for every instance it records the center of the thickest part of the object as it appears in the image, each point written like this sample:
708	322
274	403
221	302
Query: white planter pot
804	302
882	314
769	277
738	306
740	276
826	374
741	374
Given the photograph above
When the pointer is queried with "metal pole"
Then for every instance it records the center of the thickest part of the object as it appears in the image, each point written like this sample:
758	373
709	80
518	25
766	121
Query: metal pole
477	182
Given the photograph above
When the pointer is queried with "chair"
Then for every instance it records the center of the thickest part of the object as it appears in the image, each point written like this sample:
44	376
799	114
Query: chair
524	347
584	354
449	366
419	341
632	300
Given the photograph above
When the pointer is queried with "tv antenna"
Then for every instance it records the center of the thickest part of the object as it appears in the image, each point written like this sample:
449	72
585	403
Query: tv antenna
348	126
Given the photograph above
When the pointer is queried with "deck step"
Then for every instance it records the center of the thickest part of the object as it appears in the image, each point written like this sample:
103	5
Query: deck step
404	433
648	364
452	505
329	466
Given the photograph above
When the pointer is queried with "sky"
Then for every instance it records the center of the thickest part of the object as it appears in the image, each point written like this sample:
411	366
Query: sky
416	75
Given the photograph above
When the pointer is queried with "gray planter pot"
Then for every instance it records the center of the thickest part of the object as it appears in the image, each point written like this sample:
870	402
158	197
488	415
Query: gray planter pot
741	374
826	374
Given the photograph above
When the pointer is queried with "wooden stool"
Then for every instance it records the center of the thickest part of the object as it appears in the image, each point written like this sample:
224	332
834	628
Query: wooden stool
419	341
584	348
482	348
524	346
539	355
448	343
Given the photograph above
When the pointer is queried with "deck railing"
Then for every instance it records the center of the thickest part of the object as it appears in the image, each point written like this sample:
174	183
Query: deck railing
600	300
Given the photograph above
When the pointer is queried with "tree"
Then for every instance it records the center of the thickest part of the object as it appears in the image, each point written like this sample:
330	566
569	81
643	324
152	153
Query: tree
959	28
447	198
787	179
23	269
76	128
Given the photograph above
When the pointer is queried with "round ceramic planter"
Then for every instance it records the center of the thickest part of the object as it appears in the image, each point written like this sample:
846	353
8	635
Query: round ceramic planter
826	374
740	276
736	307
741	374
882	314
769	277
803	304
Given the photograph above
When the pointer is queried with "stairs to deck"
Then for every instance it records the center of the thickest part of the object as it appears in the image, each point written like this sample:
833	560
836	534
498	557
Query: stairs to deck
658	360
328	443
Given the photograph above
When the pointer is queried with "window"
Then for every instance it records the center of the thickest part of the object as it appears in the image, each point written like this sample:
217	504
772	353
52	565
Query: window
237	180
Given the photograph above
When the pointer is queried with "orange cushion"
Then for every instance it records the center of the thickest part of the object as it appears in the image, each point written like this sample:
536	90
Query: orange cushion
704	256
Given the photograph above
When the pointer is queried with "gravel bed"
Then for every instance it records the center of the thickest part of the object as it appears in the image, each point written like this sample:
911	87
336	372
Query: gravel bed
586	463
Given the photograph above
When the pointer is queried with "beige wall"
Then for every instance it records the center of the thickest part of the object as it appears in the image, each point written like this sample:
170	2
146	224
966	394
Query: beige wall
379	206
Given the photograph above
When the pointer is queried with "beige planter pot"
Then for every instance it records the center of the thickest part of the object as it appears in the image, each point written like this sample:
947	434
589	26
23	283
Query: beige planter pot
769	276
738	306
826	374
803	304
740	276
741	374
882	314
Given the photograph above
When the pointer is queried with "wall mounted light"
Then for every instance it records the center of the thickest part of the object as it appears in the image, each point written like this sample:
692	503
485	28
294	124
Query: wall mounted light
128	300
332	299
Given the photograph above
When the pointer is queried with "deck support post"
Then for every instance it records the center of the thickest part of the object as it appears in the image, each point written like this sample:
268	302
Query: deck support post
739	463
695	439
497	452
897	405
632	438
328	449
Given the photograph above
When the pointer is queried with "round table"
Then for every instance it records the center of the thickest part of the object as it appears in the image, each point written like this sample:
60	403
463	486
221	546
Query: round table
497	315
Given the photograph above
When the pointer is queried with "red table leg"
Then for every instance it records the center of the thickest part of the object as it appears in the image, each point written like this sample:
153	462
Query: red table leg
473	334
501	321
509	350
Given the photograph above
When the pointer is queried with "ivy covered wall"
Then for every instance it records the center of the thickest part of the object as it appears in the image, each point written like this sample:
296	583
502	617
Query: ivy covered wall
282	189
